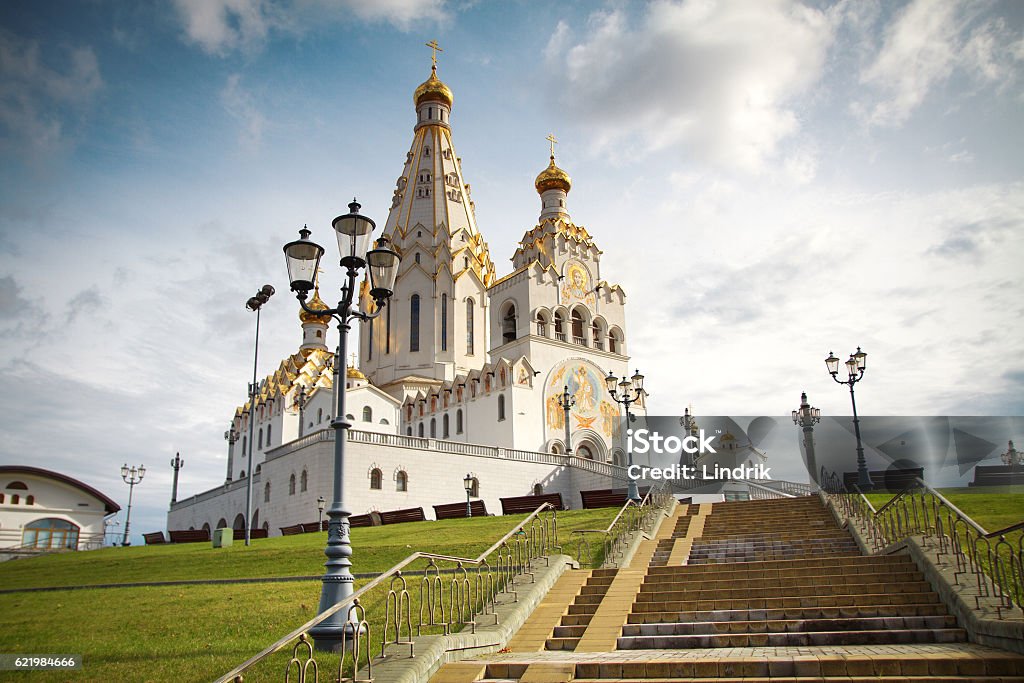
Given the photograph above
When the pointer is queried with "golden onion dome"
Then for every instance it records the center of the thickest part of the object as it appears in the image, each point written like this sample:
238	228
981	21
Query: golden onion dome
433	90
315	303
553	178
355	373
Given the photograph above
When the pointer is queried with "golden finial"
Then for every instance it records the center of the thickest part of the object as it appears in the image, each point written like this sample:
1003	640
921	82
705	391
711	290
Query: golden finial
551	139
434	49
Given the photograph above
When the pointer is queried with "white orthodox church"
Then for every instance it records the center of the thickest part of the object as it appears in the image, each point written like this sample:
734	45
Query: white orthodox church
462	373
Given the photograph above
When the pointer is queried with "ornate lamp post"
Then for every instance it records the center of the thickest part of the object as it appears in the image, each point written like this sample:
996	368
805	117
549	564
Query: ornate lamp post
320	505
301	399
255	303
177	464
231	436
807	417
132	476
567	401
689	424
354	233
855	372
467	483
627	392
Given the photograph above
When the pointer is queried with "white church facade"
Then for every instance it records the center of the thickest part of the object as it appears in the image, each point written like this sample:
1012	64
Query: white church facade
461	374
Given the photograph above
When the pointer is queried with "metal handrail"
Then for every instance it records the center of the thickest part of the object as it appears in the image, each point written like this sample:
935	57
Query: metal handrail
632	517
508	566
959	541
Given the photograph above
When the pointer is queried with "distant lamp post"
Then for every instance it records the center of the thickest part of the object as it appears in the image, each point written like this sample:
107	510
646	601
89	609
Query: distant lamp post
301	399
132	476
627	392
354	234
567	401
231	436
177	464
320	504
855	372
255	303
1012	456
467	482
689	424
807	417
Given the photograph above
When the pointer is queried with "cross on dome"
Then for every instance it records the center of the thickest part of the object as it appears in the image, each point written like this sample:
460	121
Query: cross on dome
434	49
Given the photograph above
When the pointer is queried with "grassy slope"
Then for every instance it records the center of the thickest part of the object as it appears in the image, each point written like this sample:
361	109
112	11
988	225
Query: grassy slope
195	633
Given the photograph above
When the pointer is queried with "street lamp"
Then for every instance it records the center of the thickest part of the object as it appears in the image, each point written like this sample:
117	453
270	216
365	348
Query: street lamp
231	436
177	464
467	482
690	428
855	372
354	233
131	476
255	303
301	399
567	401
627	392
807	417
320	503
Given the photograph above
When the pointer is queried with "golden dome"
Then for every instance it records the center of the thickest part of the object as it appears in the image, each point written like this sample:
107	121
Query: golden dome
355	373
553	178
315	303
433	90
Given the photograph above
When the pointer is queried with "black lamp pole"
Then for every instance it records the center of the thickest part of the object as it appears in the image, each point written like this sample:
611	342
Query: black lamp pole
567	401
855	372
354	233
132	476
177	464
255	303
806	417
467	482
626	393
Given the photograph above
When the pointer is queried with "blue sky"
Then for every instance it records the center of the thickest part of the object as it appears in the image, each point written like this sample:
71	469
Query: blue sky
768	181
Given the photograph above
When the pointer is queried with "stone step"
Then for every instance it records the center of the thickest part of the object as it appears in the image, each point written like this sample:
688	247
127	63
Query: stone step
561	643
781	582
569	631
816	601
806	589
867	611
797	639
943	621
851	563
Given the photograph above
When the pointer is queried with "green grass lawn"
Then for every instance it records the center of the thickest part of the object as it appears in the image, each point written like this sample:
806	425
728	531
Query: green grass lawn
198	632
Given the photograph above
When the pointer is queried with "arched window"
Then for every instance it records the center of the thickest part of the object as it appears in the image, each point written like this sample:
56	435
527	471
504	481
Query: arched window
384	421
319	415
414	323
401	481
1	498
241	475
291	485
559	327
615	341
266	492
538	489
17	486
259	468
542	324
474	488
595	336
367	414
261	439
433	427
239	522
408	432
15	499
577	328
419	430
584	452
501	406
375	479
445	427
416	257
509	324
43	534
206	527
244	439
458	421
303	481
256	518
469	326
444	322
556	448
270	429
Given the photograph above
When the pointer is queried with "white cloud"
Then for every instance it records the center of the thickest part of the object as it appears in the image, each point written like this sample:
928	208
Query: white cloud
37	100
924	46
720	79
223	26
241	105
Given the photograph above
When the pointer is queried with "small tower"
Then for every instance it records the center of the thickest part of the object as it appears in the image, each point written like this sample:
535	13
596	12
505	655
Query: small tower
553	185
314	327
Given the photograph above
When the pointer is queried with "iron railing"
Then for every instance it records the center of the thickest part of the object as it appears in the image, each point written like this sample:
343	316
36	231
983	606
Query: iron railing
761	492
453	593
614	540
988	559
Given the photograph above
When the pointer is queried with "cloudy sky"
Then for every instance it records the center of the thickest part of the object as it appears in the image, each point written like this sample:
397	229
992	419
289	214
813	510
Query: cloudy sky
768	180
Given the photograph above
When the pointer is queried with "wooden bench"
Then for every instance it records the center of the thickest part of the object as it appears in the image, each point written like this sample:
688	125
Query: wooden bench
293	530
998	475
894	480
189	536
155	538
239	534
520	504
400	516
458	510
311	527
357	520
607	498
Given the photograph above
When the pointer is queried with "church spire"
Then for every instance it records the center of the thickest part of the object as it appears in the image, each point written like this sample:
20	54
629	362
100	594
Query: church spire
553	184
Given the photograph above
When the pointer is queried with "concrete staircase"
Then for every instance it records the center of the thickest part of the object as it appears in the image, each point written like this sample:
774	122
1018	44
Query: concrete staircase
766	590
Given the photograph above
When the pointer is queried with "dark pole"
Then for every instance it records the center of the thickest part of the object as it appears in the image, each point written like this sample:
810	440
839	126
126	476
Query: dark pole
863	478
130	478
253	388
128	515
806	417
177	464
567	401
855	370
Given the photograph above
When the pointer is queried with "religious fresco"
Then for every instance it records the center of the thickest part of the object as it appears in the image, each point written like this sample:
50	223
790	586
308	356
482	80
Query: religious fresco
593	409
577	284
